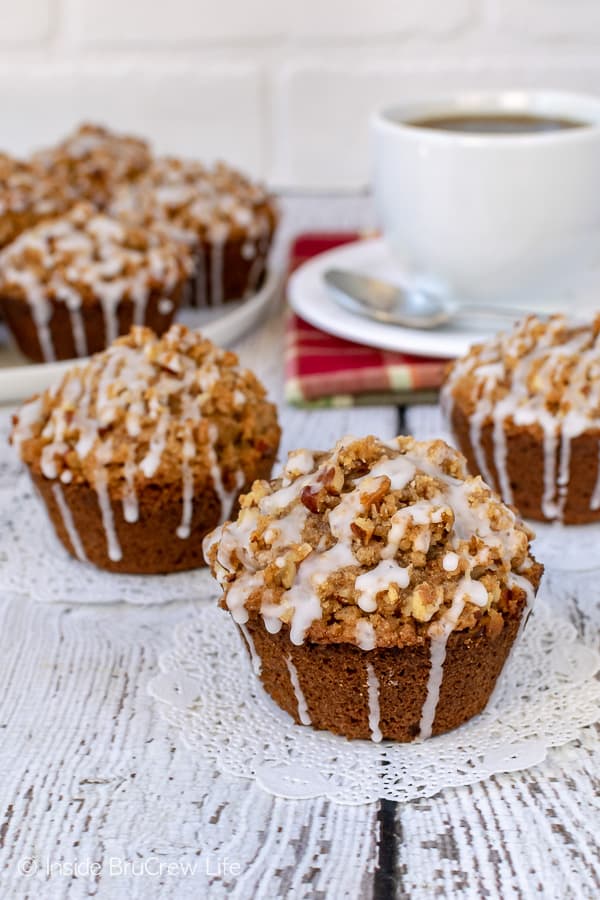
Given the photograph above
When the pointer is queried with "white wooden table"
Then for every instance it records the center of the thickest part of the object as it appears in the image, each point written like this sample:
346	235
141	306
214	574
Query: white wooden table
92	781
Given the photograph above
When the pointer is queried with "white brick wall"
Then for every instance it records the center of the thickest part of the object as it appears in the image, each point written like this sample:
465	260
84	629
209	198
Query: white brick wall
283	88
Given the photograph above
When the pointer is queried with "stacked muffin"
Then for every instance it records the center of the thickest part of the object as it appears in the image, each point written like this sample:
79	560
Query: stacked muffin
525	410
227	219
214	223
378	588
71	285
144	449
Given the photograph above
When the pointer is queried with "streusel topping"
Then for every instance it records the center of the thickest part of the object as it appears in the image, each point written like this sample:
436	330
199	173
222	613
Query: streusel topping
86	250
143	407
377	544
544	375
96	160
214	203
89	256
550	366
27	195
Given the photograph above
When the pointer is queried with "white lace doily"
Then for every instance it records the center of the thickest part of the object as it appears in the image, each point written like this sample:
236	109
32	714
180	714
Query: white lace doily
213	701
34	562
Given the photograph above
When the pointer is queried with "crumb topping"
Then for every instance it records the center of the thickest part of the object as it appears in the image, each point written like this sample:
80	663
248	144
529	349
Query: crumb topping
27	196
95	160
87	253
214	203
548	367
151	409
377	544
544	375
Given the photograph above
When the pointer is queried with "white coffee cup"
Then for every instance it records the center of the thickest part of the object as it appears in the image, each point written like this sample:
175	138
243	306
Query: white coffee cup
491	216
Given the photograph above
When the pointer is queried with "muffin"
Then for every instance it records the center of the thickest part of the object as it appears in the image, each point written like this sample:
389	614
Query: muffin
70	286
378	588
525	410
95	161
27	196
228	220
144	449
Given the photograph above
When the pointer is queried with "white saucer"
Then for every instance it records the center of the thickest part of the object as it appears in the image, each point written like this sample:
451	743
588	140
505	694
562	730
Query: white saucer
310	298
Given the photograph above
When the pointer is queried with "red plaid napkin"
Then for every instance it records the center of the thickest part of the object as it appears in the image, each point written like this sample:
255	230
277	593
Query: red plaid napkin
322	370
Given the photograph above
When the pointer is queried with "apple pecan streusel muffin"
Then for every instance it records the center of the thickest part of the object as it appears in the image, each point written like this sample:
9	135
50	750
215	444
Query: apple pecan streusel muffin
144	449
228	219
525	410
378	588
70	286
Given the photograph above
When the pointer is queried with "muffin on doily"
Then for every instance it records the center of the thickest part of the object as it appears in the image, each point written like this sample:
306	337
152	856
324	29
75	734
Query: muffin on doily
378	588
95	161
70	286
144	449
227	219
525	410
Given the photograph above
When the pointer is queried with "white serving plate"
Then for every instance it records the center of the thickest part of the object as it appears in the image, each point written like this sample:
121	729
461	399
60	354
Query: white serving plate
20	379
310	299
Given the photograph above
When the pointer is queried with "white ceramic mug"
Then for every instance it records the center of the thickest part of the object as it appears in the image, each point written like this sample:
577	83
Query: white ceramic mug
487	216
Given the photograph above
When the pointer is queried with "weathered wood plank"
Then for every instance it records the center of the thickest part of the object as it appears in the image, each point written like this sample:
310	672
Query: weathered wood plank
526	834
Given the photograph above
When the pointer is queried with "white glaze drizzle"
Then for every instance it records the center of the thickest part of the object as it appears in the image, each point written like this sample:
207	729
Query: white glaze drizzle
579	411
150	463
67	518
515	579
128	367
216	271
371	583
88	252
200	276
303	713
226	497
113	547
300	604
595	501
40	306
130	500
450	561
373	701
188	452
365	635
438	633
254	657
72	300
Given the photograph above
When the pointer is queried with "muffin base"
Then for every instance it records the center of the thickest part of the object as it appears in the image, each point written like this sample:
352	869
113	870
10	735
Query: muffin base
222	273
19	319
525	468
149	546
333	679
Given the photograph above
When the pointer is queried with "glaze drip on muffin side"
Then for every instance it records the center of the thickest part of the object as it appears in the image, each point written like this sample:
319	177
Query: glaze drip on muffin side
200	203
380	545
89	253
147	407
542	374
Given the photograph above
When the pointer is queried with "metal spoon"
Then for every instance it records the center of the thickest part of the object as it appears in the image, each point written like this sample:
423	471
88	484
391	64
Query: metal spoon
396	305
